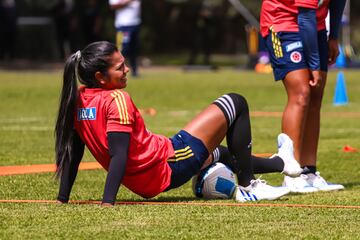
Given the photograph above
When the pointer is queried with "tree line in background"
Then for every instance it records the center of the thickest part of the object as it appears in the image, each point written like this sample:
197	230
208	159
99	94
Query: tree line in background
168	26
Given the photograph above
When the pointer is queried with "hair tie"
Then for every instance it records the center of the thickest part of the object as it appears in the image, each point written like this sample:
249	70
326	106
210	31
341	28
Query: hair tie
78	55
77	61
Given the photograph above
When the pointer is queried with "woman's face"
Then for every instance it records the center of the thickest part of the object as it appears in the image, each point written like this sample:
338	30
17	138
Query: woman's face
116	73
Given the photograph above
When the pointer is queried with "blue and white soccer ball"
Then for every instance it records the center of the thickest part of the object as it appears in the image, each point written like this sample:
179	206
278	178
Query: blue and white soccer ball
214	182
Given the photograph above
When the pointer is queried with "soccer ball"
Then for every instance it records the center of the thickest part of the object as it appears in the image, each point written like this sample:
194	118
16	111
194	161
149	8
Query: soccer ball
214	182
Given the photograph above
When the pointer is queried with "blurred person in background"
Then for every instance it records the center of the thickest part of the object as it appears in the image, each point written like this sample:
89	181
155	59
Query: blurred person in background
127	24
91	21
204	31
62	15
8	29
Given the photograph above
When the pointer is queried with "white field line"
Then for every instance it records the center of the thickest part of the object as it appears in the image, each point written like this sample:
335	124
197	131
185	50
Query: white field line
27	128
22	120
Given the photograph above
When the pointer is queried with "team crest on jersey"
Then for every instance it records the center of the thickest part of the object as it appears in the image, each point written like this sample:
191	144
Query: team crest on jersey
295	57
86	114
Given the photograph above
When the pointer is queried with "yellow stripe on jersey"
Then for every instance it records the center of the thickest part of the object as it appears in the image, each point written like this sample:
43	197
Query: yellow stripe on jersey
119	107
276	44
122	107
125	109
121	97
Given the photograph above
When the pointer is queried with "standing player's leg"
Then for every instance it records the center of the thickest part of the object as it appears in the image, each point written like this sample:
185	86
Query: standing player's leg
308	156
312	122
289	65
310	143
293	120
310	140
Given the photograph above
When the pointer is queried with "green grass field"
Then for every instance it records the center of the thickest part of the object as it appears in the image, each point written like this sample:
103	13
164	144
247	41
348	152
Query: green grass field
28	106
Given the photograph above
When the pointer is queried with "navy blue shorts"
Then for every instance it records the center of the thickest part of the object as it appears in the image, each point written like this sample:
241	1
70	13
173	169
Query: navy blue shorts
287	54
190	155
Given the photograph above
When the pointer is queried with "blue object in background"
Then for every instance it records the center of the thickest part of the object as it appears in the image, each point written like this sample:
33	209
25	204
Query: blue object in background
341	59
340	97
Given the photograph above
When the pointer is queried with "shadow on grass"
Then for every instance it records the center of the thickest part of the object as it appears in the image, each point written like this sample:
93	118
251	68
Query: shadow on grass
351	185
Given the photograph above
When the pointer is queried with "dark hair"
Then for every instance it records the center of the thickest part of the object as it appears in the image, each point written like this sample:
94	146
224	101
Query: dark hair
81	66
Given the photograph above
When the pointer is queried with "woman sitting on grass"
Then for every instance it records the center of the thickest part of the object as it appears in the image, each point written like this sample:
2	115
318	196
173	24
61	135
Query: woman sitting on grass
102	116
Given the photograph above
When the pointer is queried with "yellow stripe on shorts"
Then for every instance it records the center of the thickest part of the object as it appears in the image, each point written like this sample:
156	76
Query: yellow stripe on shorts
276	44
185	157
182	154
182	150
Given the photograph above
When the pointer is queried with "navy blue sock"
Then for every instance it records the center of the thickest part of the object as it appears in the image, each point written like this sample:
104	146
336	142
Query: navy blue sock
260	164
267	165
238	137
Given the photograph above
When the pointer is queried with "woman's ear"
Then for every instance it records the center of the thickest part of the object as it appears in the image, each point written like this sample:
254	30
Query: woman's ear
100	78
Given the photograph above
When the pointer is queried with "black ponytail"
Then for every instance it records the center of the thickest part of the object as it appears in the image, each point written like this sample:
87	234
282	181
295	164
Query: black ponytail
80	66
65	120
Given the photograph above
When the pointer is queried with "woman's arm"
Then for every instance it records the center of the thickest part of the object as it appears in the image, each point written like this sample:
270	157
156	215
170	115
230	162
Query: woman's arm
118	150
336	9
70	169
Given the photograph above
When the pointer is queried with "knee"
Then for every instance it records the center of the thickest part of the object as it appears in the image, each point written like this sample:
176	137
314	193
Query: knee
316	97
232	105
315	103
240	102
301	98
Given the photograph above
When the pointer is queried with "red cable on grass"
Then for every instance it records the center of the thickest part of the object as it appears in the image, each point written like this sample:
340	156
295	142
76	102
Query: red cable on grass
41	168
188	203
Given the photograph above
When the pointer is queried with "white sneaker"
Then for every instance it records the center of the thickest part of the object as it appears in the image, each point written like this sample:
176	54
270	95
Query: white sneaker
319	182
286	153
259	190
299	184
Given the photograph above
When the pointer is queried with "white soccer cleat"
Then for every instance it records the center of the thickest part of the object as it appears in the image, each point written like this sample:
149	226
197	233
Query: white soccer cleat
259	190
286	153
319	182
299	184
